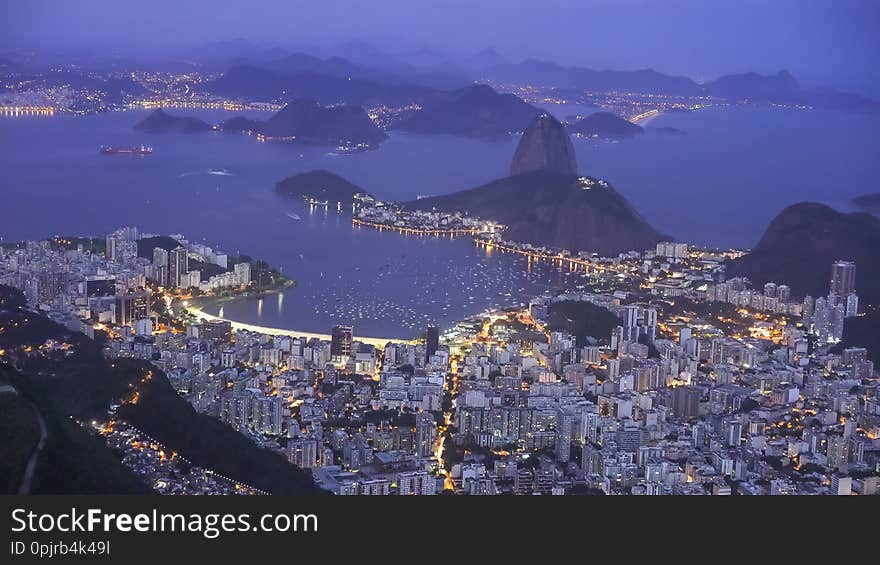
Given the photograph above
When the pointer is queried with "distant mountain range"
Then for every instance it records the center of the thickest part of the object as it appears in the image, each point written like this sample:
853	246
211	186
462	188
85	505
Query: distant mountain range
802	242
549	74
258	83
605	125
778	88
363	74
478	110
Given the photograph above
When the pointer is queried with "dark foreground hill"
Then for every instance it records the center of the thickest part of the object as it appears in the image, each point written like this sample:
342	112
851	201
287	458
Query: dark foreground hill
802	242
83	385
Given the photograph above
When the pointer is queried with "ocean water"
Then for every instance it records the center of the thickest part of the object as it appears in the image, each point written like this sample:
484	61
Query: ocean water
718	185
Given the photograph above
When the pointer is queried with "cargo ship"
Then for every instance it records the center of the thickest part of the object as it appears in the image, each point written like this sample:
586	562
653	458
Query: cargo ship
140	150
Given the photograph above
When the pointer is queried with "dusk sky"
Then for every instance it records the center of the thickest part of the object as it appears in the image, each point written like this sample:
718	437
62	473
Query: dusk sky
829	43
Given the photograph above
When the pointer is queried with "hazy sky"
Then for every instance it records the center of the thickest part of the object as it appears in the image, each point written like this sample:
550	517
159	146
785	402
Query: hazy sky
832	42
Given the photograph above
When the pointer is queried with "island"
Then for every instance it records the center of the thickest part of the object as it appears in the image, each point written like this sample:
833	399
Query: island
605	125
302	121
669	131
320	186
306	121
160	121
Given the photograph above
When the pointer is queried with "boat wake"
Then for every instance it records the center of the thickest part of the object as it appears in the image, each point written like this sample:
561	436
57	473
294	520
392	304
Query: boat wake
214	172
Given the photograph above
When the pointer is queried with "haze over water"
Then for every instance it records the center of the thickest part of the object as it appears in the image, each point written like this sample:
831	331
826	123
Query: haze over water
718	185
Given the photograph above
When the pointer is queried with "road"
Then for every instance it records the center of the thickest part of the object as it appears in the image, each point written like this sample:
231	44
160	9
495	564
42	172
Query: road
28	476
374	341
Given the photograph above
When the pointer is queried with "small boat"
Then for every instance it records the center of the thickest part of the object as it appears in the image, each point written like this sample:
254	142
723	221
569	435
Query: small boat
293	216
219	172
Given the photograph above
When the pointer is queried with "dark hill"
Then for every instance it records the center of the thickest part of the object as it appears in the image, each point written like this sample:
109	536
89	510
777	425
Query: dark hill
473	111
147	244
320	185
582	320
867	201
605	125
161	122
310	122
84	384
802	242
781	87
298	63
544	145
240	124
553	209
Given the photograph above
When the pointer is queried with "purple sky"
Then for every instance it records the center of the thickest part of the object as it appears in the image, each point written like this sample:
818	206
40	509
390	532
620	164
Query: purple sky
822	42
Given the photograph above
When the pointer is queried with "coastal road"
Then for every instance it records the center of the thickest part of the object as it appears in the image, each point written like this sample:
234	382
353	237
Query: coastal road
374	341
28	476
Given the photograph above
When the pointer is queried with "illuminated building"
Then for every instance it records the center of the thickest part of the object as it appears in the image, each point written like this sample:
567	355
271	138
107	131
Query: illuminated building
178	266
340	341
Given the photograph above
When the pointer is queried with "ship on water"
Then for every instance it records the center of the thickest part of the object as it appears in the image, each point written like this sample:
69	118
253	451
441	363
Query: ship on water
139	150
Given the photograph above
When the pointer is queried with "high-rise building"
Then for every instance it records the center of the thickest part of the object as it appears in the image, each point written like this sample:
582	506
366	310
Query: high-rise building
631	323
783	292
416	482
112	246
852	305
303	453
160	257
432	342
133	306
841	485
564	432
426	434
178	266
686	402
243	271
340	341
160	266
843	278
837	451
651	324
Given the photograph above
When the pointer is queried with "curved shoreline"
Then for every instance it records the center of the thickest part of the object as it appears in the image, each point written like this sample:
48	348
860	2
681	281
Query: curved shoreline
374	341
